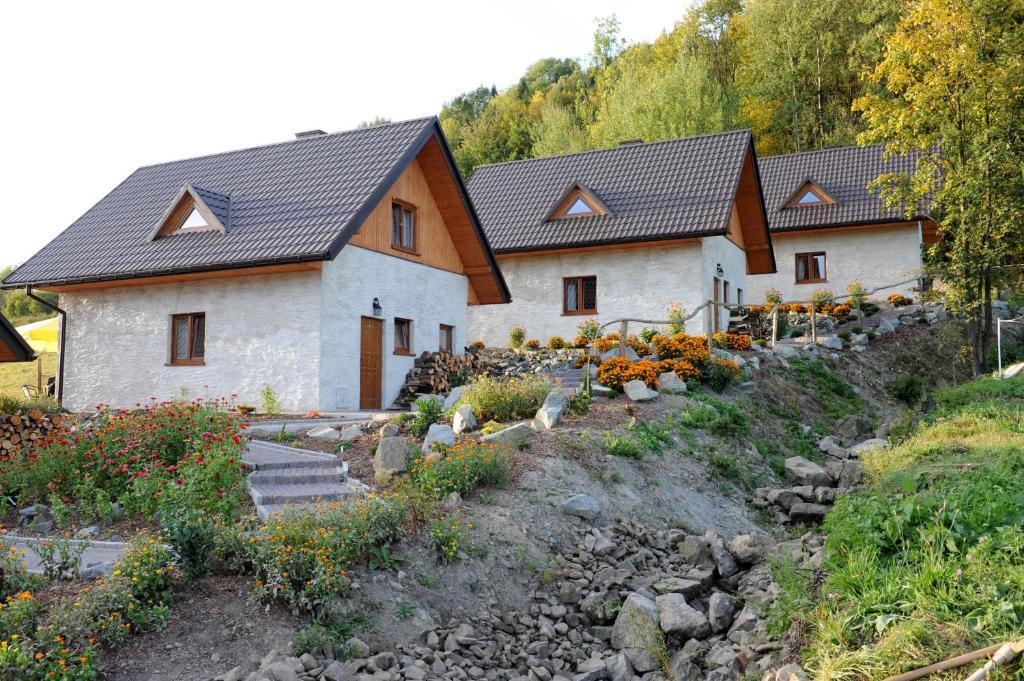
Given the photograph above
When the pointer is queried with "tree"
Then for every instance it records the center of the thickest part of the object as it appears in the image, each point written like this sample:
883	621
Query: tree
952	88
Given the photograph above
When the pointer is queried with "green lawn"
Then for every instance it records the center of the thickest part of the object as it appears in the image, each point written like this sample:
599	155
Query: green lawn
928	560
15	374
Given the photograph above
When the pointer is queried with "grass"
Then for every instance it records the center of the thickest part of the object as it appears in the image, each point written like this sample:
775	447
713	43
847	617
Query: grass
835	395
13	375
928	560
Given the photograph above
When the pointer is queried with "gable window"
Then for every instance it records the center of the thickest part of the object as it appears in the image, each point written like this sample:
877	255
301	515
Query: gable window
579	295
446	342
403	226
403	336
810	268
578	202
579	207
194	221
809	194
809	198
188	338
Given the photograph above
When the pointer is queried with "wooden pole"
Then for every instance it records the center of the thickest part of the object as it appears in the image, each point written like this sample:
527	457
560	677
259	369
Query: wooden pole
775	326
946	665
814	324
623	328
39	375
709	306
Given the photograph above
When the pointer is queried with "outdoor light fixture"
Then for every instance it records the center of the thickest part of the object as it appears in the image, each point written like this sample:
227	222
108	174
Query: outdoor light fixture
378	311
719	271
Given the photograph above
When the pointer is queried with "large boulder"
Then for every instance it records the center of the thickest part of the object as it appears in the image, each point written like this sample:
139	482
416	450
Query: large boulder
629	354
748	548
453	397
831	342
802	471
392	456
785	350
721	611
671	383
581	505
637	623
677	618
464	419
439	434
724	561
350	433
638	391
324	433
807	512
695	551
851	426
867	446
550	413
513	436
888	325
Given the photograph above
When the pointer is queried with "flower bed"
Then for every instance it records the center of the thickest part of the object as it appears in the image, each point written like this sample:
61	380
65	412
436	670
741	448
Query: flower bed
496	400
461	468
687	356
163	457
618	371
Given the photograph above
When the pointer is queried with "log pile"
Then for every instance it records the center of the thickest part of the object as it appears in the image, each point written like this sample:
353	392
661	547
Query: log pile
432	373
20	430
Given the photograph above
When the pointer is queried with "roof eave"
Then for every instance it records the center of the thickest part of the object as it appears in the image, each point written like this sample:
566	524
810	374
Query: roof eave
10	337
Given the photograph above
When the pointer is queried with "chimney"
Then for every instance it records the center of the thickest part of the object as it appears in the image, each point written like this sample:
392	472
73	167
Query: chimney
306	134
626	143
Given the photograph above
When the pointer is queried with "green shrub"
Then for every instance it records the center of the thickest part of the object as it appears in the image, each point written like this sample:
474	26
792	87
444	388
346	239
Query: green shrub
503	401
579	404
449	537
21	405
622	445
302	557
907	387
720	373
461	468
650	435
268	400
428	411
647	334
556	342
193	540
516	336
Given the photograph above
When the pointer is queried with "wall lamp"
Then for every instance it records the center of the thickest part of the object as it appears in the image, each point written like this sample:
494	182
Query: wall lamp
378	311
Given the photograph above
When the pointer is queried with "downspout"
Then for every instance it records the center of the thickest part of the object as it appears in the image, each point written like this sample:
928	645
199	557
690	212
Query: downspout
63	337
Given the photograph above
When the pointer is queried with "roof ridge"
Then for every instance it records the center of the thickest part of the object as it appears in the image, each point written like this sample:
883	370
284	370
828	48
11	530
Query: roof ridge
423	119
615	148
820	151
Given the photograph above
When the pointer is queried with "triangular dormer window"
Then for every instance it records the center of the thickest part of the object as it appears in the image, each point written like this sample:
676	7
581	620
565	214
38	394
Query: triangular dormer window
577	202
194	221
809	194
194	210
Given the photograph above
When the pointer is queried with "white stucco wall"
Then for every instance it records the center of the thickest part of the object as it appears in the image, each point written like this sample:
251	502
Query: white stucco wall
874	256
260	330
631	282
407	290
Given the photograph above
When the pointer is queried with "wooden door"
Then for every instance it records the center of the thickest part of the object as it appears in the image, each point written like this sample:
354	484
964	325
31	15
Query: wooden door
371	365
716	312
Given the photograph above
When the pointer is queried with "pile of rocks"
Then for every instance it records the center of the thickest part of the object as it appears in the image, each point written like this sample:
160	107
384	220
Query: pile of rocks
814	488
511	362
626	603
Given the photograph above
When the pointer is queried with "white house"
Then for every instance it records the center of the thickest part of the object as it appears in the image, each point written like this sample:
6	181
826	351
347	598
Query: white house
319	267
829	229
622	233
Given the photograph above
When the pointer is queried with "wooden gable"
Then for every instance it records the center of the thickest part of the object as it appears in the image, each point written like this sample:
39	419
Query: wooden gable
748	224
445	235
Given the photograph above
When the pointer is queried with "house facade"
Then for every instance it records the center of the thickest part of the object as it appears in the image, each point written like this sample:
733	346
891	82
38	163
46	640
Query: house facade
319	267
829	229
622	233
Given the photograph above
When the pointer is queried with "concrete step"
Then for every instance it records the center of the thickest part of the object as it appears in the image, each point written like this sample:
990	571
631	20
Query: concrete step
261	455
299	476
274	499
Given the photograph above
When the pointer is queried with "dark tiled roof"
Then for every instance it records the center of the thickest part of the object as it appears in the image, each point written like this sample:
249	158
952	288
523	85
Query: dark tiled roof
290	201
660	190
219	204
13	342
843	173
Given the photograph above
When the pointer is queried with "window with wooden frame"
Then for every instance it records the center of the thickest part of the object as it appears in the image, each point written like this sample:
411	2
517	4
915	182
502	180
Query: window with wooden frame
578	202
809	194
446	342
810	268
188	338
403	336
403	226
579	295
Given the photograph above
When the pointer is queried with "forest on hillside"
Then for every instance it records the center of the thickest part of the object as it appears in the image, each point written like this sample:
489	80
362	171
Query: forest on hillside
942	78
788	69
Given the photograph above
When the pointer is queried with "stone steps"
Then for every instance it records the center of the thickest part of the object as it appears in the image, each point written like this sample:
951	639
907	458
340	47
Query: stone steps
284	477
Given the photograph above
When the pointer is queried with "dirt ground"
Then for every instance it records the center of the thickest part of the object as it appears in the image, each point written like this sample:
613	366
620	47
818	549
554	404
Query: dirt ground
213	628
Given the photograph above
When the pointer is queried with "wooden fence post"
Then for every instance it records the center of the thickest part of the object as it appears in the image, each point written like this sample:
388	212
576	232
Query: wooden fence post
814	324
709	311
623	328
775	325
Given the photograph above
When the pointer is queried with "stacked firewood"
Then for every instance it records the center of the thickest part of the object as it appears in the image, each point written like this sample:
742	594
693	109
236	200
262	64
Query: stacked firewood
436	373
20	430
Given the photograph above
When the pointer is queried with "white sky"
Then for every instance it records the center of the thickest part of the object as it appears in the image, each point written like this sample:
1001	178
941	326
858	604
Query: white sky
93	90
